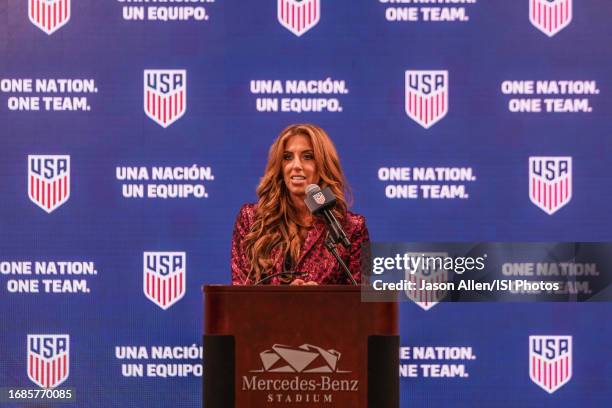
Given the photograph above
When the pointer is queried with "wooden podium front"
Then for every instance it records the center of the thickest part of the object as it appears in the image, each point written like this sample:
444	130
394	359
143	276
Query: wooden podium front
306	346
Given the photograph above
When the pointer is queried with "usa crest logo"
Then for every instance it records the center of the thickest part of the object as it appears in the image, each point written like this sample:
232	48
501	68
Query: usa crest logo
550	16
164	277
550	361
550	182
299	16
49	15
165	95
426	274
49	180
319	198
426	96
48	359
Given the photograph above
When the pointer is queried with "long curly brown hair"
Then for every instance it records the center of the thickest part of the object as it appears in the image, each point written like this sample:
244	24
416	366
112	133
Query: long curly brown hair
276	223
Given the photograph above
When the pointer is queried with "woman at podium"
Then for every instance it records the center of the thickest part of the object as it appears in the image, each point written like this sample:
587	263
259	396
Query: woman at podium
278	240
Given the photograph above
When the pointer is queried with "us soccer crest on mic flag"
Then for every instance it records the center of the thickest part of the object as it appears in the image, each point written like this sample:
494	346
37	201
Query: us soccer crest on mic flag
550	361
550	16
165	95
48	359
49	15
49	180
426	96
550	182
319	198
164	277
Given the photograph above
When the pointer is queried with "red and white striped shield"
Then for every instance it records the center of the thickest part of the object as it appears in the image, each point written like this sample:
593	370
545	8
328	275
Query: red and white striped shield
299	16
48	359
550	16
426	96
319	198
49	15
550	182
164	277
550	361
432	272
49	180
165	95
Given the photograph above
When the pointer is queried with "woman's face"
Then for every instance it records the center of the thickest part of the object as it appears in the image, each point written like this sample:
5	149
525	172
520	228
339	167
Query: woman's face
299	166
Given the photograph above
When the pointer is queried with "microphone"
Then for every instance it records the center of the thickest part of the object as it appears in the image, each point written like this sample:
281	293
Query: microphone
320	202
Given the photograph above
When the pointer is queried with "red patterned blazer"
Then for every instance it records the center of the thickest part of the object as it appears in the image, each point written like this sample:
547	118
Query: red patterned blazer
315	259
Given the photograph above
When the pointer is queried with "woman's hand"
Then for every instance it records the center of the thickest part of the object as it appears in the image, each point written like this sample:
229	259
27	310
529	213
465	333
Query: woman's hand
299	282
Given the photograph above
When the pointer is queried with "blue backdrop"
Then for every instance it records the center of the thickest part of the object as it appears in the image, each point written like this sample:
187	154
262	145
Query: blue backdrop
72	91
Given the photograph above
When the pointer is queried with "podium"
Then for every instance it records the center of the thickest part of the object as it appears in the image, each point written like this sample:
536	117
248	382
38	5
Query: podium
306	346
